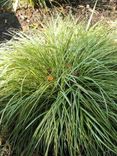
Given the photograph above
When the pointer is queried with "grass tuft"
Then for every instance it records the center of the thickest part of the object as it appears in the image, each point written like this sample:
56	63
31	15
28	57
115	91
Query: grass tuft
58	90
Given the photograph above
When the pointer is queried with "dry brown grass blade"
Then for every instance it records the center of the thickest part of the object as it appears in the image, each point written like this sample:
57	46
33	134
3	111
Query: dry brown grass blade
91	17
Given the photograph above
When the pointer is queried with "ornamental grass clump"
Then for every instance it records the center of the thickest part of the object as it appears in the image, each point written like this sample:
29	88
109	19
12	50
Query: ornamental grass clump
58	91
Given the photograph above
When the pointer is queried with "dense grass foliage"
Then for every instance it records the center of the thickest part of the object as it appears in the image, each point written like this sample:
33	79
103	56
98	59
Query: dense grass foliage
58	91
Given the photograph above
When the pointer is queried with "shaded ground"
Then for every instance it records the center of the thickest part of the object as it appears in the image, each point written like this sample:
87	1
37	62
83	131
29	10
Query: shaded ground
8	21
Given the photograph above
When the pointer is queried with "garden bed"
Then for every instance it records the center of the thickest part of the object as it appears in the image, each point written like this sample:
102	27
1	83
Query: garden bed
27	18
